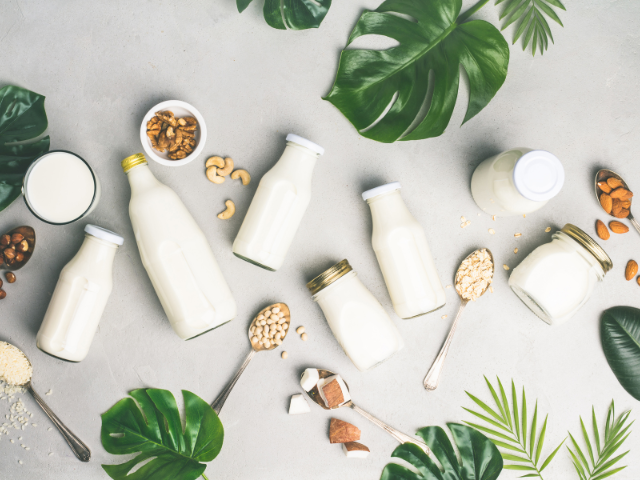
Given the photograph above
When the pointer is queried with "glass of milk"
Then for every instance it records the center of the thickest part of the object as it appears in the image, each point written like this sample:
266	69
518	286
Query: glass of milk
60	187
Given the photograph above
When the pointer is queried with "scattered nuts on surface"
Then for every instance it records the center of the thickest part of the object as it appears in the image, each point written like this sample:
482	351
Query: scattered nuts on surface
304	337
284	355
631	270
462	219
548	229
229	212
443	317
214	162
3	294
515	250
618	227
493	218
212	175
505	266
300	330
11	277
517	235
228	167
492	231
176	135
465	224
243	175
602	230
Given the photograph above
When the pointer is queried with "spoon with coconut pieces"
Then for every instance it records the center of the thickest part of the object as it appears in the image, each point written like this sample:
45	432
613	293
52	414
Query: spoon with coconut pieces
473	278
330	391
20	376
606	183
267	332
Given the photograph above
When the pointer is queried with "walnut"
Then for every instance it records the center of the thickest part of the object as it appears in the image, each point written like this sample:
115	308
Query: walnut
175	136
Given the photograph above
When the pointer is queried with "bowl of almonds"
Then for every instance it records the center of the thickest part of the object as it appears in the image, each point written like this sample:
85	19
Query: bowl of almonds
173	133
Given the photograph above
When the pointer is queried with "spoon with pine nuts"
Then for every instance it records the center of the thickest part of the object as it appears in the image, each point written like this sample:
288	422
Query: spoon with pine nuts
267	332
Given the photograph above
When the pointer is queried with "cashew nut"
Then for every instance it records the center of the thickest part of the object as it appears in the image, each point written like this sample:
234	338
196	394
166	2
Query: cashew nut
242	174
228	167
214	162
228	213
212	175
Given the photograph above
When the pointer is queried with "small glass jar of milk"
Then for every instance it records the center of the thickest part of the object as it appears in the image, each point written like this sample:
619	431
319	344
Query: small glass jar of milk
80	297
517	182
557	278
403	254
360	324
278	206
60	187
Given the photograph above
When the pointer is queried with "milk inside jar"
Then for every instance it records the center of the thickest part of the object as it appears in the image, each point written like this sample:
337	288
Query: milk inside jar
360	324
517	182
403	254
557	278
80	297
176	255
278	206
60	188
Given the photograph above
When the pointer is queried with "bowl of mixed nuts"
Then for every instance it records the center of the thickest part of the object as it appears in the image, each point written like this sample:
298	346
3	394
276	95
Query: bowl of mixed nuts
173	133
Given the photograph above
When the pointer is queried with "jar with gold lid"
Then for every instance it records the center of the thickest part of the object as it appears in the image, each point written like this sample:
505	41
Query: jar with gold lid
360	324
557	278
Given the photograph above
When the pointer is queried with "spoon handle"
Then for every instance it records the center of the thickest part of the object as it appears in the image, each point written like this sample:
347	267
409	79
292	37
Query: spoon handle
218	403
433	376
398	435
635	223
79	448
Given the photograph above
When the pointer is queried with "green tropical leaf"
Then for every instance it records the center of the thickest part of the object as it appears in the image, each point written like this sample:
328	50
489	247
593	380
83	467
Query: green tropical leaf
620	336
152	428
22	119
383	93
550	457
532	24
480	459
291	14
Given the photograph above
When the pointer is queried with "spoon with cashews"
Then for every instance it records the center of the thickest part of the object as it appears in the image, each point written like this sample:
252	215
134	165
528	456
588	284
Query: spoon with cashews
267	332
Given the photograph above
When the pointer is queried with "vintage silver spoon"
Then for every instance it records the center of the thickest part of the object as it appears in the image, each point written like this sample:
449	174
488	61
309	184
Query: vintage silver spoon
256	346
601	176
314	394
433	376
29	235
77	446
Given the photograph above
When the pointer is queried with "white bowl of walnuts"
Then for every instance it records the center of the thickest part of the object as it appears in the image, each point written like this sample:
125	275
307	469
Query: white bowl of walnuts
173	133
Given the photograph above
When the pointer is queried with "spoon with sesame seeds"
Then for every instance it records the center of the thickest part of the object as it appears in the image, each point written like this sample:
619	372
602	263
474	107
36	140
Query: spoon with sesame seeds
473	279
16	369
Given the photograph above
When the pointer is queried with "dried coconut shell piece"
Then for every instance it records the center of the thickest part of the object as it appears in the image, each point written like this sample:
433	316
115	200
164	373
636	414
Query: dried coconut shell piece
355	450
343	432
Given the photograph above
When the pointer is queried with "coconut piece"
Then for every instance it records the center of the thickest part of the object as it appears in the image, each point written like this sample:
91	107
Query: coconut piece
298	405
334	392
355	450
309	379
343	432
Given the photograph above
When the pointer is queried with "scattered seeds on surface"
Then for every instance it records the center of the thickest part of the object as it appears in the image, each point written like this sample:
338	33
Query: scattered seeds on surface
465	224
548	229
505	266
284	355
443	317
493	218
492	231
50	454
462	219
517	235
304	337
524	215
448	286
490	289
300	330
515	250
49	392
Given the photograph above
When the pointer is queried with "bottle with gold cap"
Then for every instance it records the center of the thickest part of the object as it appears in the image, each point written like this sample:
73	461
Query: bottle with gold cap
176	255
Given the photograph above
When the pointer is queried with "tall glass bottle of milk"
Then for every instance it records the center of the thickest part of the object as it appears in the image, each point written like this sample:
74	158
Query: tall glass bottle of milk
403	254
278	206
176	255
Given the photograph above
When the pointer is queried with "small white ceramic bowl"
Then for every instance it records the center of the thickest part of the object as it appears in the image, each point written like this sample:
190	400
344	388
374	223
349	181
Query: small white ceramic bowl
179	109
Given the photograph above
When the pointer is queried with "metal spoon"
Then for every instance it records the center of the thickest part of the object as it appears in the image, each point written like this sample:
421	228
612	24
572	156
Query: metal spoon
314	394
433	376
601	176
218	403
77	446
29	235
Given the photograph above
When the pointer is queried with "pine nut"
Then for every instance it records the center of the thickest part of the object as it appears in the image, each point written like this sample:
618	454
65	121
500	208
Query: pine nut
300	330
284	355
304	337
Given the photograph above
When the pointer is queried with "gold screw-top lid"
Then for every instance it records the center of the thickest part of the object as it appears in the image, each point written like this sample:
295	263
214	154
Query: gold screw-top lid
133	161
329	276
590	245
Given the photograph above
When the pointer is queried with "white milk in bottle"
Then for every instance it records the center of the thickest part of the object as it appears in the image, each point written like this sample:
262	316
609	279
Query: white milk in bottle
176	255
278	206
80	297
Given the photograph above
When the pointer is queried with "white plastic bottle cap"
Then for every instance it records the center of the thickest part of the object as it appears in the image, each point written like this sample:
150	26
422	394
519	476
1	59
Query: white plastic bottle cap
292	137
374	192
538	175
103	234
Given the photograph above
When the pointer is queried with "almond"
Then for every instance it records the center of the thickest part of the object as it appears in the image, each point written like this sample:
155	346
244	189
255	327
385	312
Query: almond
606	202
618	227
620	193
614	182
343	432
604	187
624	213
625	204
602	230
617	207
631	270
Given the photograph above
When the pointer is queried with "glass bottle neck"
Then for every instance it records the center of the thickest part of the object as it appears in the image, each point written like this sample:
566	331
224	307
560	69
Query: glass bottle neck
98	251
141	178
388	206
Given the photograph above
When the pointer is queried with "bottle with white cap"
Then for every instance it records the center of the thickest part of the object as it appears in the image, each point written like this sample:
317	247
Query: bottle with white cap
517	182
80	297
403	254
278	206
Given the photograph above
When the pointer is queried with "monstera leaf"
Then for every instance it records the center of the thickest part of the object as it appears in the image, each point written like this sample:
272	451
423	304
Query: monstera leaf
155	430
480	458
391	87
620	335
22	118
292	14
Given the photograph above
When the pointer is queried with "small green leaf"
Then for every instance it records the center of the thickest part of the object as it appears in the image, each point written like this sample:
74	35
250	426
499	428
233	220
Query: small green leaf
549	11
579	452
514	458
523	24
496	399
541	439
505	403
487	419
610	463
532	440
519	467
485	407
498	443
596	434
609	473
550	457
489	431
577	464
510	7
556	3
516	416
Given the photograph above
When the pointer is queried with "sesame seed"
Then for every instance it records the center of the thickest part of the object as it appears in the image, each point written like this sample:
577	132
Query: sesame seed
517	235
443	317
515	250
505	266
548	229
492	231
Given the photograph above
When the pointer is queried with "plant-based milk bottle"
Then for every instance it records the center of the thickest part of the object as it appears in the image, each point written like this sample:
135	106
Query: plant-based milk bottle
80	297
278	206
403	254
176	255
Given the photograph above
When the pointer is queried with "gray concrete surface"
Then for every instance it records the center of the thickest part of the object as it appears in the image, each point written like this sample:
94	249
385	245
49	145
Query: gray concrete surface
102	64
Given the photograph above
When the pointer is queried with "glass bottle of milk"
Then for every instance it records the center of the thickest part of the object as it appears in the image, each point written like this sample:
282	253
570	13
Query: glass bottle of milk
176	255
517	182
403	254
278	206
80	297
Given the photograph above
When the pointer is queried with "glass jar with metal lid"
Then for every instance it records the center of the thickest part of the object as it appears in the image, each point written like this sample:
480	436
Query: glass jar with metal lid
557	278
360	324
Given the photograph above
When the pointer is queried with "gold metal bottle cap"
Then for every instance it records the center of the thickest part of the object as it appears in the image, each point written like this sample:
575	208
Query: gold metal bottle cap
329	276
133	161
590	245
